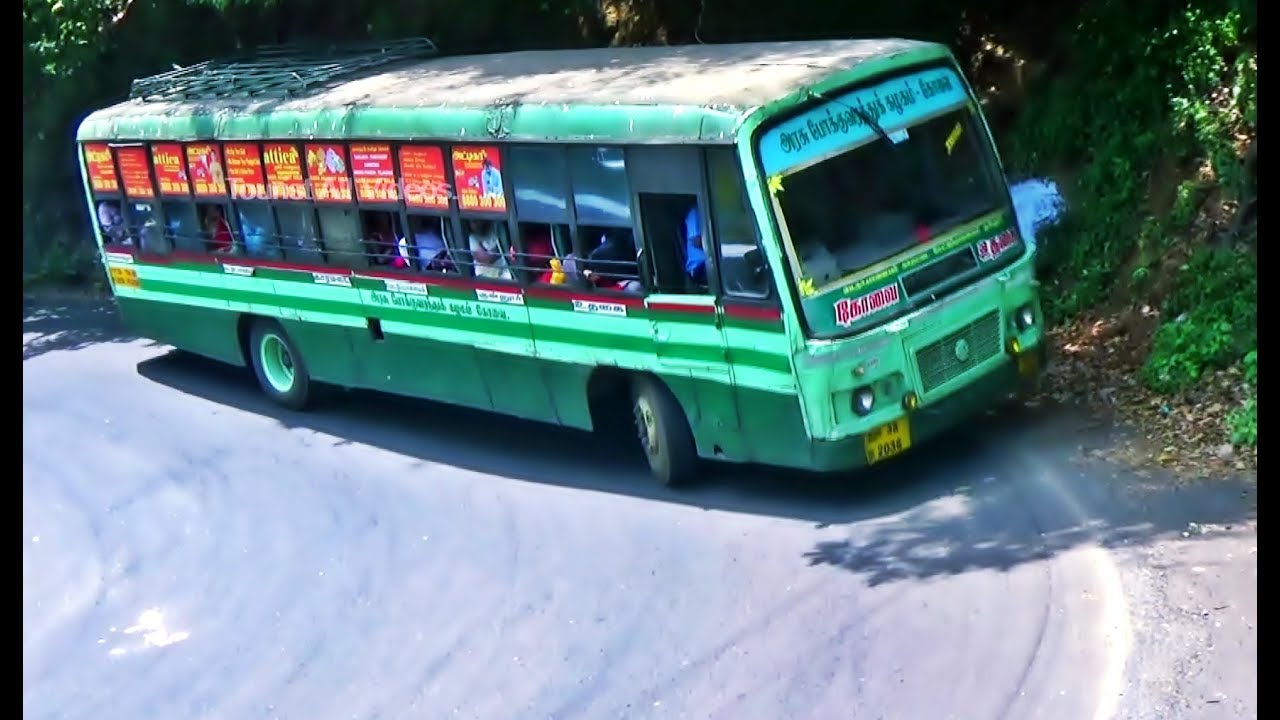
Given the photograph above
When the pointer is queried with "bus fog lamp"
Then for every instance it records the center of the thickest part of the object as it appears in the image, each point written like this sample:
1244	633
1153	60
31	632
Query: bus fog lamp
864	398
1015	346
910	401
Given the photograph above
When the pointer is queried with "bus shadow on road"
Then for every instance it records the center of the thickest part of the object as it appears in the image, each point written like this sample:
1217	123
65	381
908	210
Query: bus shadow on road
893	512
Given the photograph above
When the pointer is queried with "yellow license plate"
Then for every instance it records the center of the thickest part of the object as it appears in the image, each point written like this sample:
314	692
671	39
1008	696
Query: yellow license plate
124	277
887	440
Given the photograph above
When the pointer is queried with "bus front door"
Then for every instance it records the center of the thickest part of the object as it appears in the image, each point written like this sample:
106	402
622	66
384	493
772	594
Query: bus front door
685	321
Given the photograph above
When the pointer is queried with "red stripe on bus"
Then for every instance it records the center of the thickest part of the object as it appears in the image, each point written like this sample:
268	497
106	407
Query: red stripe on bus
438	280
752	312
682	308
189	256
554	294
277	265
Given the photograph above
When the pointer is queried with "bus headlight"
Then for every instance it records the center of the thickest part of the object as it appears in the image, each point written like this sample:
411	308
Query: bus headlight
1025	317
864	398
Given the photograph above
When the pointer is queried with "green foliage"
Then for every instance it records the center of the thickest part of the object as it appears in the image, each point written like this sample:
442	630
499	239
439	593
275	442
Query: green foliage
1148	81
1243	422
1214	321
1144	80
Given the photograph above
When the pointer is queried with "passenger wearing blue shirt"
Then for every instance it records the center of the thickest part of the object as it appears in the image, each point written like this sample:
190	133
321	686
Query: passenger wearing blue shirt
695	258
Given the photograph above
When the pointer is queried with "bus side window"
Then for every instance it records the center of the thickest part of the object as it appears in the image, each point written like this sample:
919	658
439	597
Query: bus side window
340	230
298	234
428	247
381	232
611	259
111	222
487	248
258	235
673	232
140	218
741	264
182	227
540	183
545	249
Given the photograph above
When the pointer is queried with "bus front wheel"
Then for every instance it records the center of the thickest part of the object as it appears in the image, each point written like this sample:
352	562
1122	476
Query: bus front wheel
278	365
664	432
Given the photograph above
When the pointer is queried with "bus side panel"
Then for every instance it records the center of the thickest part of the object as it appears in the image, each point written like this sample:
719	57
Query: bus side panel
408	360
773	428
326	348
183	306
566	385
517	385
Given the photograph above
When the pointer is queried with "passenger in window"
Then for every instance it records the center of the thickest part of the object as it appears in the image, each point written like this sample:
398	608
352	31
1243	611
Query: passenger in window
486	251
539	255
255	237
112	223
695	257
612	264
219	230
381	240
427	251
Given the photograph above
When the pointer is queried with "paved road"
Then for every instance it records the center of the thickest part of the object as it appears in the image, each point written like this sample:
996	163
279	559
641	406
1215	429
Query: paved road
189	551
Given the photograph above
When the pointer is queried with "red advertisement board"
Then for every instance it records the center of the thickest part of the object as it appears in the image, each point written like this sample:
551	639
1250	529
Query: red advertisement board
204	163
477	174
374	173
135	172
284	171
101	167
171	171
327	171
422	169
244	171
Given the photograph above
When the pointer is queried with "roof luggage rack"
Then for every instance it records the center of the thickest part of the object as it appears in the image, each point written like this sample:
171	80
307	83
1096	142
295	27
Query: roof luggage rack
276	71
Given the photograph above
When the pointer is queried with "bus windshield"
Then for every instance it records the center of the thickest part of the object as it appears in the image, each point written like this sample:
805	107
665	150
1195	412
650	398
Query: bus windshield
901	188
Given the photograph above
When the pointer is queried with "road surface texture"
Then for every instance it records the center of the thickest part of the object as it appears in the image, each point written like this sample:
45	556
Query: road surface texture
190	551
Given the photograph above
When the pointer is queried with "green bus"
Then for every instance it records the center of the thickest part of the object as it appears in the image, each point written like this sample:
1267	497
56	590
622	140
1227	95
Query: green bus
797	254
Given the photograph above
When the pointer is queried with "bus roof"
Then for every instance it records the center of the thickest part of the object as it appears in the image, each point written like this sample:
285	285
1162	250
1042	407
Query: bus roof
657	93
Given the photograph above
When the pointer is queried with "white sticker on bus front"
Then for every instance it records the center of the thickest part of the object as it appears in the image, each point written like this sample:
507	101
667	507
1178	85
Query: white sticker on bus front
119	258
404	286
851	310
508	298
992	248
600	308
237	270
331	279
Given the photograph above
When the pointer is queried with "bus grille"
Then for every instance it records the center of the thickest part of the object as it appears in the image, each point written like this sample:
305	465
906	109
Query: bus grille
940	362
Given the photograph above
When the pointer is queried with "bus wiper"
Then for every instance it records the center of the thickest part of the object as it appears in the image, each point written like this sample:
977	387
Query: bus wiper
862	115
871	123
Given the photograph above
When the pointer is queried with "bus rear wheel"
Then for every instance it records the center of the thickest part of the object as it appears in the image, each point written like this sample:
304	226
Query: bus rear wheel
664	432
278	366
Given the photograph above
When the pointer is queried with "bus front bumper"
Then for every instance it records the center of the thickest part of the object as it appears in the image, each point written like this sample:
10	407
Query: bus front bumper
1014	376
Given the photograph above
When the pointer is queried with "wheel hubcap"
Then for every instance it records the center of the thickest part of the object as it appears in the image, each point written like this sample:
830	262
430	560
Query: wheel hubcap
647	427
277	363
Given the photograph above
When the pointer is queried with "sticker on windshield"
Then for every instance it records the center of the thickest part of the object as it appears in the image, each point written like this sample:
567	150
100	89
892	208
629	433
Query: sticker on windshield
775	184
954	137
992	248
806	286
851	310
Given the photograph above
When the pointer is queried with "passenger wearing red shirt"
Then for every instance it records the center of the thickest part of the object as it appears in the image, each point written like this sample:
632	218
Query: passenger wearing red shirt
218	228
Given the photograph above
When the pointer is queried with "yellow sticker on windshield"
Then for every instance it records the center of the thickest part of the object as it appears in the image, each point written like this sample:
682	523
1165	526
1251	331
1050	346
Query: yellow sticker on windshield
806	286
775	184
954	137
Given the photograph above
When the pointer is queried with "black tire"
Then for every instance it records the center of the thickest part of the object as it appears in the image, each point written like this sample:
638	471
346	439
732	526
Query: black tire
665	438
269	349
